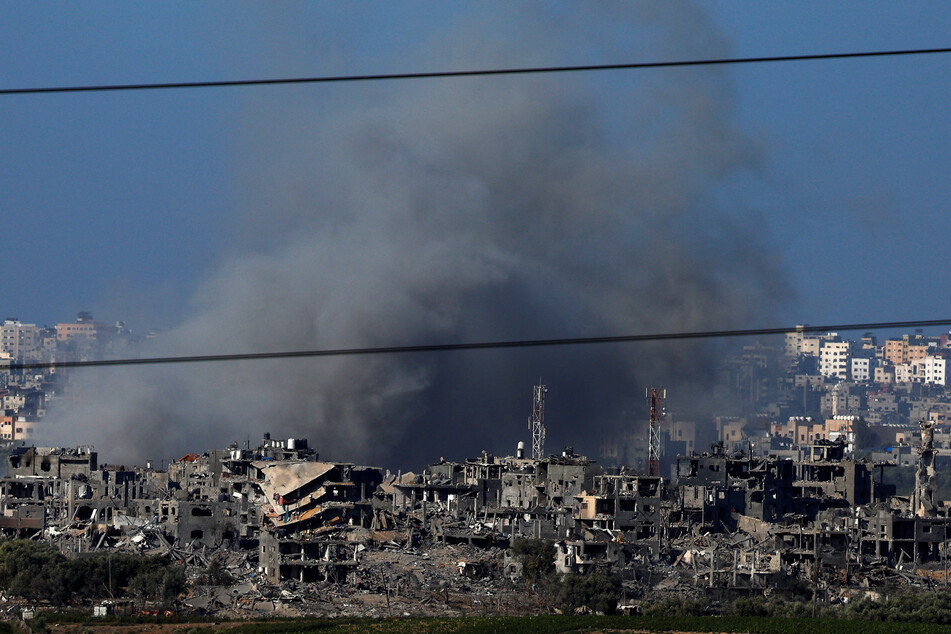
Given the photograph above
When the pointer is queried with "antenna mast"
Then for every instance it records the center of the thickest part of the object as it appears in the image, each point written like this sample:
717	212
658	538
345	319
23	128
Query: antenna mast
655	398
537	422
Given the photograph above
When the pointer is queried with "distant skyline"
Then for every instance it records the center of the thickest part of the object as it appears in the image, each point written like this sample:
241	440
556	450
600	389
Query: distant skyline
119	203
432	211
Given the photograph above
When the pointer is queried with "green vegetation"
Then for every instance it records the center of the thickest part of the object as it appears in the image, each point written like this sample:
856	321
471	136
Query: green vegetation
677	608
598	593
920	607
777	607
916	613
578	623
537	557
593	592
36	571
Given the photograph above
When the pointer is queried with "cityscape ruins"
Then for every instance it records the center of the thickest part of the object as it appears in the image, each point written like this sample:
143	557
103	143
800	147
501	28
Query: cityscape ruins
303	536
797	507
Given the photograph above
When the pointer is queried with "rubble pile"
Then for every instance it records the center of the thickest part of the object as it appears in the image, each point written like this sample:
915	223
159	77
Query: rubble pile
275	531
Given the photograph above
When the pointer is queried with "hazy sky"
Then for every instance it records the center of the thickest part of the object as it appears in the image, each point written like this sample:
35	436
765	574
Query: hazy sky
106	197
826	182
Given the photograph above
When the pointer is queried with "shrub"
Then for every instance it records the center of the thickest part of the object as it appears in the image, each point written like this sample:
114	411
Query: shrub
678	607
750	606
537	557
158	580
34	571
597	592
37	571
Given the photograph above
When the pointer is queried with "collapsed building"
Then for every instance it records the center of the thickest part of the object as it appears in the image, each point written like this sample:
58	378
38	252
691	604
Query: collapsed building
275	500
727	520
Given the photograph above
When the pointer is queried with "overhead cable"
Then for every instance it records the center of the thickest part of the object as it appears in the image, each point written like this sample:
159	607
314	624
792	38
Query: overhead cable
484	345
536	70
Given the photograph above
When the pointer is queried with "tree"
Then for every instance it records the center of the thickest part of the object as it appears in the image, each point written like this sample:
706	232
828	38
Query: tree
537	557
157	579
597	592
35	571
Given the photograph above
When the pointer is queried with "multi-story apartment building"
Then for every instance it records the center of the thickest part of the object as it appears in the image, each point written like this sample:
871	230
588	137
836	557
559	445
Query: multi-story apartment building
795	341
884	374
798	343
906	349
863	369
16	428
934	370
82	331
811	346
845	428
894	351
801	430
834	359
20	340
904	373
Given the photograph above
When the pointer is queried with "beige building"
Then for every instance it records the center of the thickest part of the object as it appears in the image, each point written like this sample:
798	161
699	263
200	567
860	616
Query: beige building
82	331
802	430
843	428
692	435
16	428
904	373
730	431
20	340
811	346
885	374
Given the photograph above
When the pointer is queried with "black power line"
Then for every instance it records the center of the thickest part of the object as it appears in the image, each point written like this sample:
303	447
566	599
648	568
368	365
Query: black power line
485	345
469	73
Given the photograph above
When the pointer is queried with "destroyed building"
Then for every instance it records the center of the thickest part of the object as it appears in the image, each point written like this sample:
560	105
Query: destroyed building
728	520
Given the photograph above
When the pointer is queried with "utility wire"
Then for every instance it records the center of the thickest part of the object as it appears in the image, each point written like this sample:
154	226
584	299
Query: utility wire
485	345
470	73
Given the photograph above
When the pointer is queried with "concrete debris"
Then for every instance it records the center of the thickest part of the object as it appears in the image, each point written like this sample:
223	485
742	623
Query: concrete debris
273	530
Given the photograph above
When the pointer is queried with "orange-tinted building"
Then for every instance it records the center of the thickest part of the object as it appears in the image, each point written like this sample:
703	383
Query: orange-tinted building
16	428
905	350
75	330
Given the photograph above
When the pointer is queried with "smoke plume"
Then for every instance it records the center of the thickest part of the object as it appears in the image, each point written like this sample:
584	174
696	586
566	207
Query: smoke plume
464	210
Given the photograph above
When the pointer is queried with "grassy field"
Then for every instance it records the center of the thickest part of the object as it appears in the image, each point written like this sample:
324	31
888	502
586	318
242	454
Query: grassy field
539	624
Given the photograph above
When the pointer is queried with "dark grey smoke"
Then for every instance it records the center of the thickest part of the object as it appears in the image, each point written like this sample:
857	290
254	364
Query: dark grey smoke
465	210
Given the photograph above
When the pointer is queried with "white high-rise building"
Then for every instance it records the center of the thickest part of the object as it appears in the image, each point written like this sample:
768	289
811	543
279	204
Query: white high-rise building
935	370
834	359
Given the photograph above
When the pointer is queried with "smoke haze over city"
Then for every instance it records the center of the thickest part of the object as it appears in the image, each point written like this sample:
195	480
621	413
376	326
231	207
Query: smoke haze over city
453	211
479	209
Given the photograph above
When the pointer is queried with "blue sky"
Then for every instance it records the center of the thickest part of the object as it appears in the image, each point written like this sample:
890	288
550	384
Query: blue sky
122	203
276	218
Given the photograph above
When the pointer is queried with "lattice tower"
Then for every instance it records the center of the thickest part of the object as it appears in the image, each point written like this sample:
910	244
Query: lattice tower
655	398
537	422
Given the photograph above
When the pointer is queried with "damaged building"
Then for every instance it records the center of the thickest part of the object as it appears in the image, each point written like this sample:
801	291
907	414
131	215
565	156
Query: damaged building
729	520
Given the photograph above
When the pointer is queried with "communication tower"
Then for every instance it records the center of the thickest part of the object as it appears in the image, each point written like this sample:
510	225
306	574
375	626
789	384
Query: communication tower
655	398
537	422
